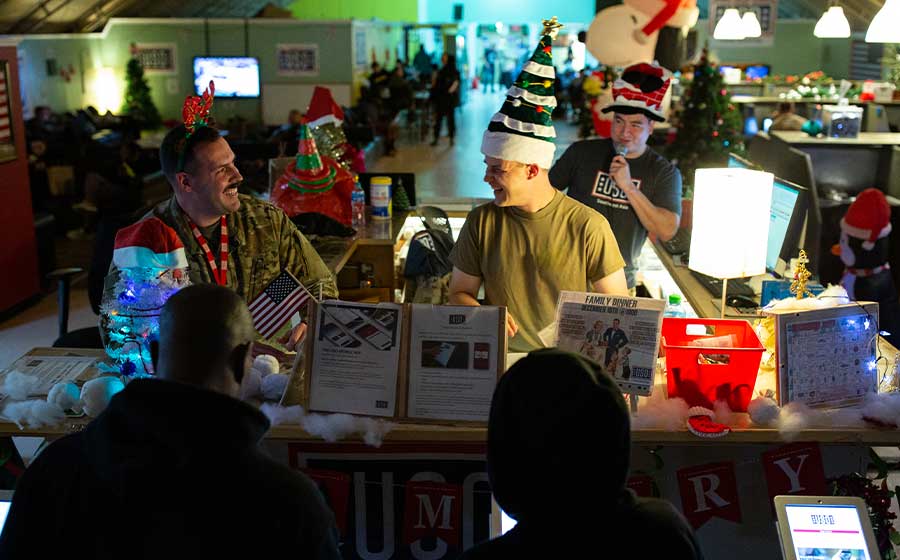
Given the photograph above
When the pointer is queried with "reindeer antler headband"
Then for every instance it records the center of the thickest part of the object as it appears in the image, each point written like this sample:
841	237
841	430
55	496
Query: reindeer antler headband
195	114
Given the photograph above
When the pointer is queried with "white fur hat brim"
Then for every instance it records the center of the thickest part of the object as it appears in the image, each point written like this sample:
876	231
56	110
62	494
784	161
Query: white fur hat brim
515	147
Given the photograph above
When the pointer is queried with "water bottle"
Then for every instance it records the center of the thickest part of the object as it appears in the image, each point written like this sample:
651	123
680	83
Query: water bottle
358	205
674	307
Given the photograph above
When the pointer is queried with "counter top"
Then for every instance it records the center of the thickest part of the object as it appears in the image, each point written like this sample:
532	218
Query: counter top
796	137
336	251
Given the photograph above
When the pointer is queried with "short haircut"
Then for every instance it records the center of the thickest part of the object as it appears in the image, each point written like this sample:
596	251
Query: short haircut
175	143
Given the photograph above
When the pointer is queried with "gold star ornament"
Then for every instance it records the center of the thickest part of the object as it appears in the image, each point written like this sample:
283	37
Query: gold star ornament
551	27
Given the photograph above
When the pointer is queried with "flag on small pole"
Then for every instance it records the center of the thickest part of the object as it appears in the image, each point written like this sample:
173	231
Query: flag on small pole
275	305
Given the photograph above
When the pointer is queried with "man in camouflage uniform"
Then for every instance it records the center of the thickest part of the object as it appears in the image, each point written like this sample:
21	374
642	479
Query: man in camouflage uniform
262	241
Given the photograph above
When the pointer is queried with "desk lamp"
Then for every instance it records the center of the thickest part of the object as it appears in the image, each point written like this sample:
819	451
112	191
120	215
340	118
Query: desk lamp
730	223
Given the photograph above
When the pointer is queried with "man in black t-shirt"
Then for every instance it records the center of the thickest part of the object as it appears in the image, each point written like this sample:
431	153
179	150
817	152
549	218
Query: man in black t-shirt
635	188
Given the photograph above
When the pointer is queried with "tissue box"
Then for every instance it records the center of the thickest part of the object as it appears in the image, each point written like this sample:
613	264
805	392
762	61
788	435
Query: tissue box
842	121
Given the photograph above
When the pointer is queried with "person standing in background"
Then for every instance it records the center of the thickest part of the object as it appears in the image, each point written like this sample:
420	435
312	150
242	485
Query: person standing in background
445	95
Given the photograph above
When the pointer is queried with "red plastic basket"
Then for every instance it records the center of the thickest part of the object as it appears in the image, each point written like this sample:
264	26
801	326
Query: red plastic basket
702	375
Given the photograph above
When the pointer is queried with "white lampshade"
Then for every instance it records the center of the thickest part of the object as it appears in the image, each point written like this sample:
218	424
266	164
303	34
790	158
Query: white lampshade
751	26
730	27
731	222
833	24
885	26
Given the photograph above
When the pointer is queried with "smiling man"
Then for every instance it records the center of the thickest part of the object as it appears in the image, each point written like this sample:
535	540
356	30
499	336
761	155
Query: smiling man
532	241
635	188
230	239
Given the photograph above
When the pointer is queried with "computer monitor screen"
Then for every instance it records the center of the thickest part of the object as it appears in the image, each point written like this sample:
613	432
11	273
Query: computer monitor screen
784	199
739	162
234	76
756	71
826	531
5	503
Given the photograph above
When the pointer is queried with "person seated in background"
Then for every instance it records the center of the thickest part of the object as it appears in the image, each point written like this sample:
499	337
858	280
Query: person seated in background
786	119
559	443
287	133
173	467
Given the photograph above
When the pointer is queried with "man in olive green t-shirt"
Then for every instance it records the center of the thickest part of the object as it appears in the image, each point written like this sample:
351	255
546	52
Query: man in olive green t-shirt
527	246
531	242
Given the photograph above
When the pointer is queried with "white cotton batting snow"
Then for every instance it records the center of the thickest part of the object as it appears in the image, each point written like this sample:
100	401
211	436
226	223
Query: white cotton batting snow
330	427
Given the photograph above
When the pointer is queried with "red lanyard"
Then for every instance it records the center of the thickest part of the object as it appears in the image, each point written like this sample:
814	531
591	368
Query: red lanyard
220	273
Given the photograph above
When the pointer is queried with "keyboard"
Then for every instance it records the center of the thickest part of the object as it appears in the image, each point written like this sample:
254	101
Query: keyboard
736	287
680	243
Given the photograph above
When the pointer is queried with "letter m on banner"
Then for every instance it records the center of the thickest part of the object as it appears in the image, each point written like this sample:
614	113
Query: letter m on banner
709	491
432	509
794	469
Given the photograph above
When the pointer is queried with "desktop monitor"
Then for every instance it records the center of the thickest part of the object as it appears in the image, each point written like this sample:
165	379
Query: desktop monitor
5	504
786	222
235	76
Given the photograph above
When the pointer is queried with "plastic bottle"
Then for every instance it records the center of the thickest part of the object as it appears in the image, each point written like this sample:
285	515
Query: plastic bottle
674	307
358	205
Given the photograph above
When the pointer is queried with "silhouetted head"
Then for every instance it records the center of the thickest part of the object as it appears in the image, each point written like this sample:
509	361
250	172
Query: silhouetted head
557	417
205	338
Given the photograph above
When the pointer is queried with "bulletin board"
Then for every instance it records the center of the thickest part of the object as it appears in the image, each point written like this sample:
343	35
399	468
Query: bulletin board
279	99
827	357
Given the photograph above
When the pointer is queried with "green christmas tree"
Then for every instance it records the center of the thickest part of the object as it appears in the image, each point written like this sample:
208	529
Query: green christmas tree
138	103
709	125
400	197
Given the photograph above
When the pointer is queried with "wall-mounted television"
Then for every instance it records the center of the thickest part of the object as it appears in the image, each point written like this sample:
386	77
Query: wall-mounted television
235	76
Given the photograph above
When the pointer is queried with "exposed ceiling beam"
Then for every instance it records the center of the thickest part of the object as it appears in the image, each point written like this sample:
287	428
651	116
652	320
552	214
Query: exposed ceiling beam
98	14
32	20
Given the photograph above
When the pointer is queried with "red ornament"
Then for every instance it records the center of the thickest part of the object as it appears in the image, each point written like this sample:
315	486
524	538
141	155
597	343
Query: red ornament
539	109
715	133
548	49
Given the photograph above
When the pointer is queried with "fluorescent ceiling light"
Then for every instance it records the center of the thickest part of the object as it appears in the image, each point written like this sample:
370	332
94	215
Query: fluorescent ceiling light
833	24
751	25
884	27
730	27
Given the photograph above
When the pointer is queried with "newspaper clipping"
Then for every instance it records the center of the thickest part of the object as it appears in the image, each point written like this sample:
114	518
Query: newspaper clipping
619	333
356	358
453	366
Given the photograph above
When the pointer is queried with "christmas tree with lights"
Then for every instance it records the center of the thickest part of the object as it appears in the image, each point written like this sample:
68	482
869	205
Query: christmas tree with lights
709	125
138	102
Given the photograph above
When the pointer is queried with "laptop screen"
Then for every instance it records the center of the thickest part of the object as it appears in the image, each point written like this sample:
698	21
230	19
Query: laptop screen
826	532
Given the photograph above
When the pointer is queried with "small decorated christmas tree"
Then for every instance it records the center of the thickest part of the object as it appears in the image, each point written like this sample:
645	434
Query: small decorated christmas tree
400	197
138	102
709	125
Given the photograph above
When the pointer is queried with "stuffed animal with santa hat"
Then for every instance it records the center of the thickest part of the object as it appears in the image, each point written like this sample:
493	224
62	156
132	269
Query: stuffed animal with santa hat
152	266
864	251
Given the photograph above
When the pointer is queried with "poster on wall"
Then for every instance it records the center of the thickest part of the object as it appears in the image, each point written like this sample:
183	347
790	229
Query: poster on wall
7	146
359	47
298	59
766	13
157	58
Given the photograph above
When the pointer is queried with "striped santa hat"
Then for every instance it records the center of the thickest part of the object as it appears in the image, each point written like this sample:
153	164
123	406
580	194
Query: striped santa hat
149	243
641	89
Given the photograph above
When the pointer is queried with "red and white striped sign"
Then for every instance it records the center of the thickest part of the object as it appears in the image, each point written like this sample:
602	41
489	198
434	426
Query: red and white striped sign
5	117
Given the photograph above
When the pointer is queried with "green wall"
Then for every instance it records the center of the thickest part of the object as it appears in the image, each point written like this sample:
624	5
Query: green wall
794	50
388	10
225	37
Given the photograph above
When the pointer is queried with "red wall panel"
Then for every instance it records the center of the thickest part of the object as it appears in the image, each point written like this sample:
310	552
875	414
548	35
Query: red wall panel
18	250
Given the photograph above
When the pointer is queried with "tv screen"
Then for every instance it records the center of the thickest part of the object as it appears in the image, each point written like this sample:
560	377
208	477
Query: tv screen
235	76
757	71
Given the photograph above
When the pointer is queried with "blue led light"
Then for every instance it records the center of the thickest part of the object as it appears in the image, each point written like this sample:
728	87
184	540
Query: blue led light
866	324
871	365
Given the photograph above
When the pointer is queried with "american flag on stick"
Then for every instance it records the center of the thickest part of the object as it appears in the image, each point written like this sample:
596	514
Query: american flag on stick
275	305
5	117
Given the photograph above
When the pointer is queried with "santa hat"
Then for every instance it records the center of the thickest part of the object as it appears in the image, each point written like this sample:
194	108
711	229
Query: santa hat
149	244
522	130
868	218
310	172
641	89
323	109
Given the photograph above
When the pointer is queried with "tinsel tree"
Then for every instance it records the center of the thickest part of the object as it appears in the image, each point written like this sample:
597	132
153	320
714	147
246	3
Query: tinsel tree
138	102
332	142
709	125
878	503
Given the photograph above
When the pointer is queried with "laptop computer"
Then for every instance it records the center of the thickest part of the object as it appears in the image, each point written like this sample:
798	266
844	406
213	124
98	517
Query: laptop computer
825	528
5	503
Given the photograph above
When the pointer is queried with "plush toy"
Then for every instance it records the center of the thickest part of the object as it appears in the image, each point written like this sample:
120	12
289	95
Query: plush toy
627	33
864	251
152	266
314	183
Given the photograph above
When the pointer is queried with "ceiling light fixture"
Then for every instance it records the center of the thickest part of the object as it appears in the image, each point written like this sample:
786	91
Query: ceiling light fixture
833	24
884	27
751	26
730	27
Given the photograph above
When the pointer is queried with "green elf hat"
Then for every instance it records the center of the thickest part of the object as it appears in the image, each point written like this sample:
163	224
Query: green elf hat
309	172
522	130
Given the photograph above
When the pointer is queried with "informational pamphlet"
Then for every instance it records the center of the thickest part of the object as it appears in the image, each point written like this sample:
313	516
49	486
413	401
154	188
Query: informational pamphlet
50	370
620	333
356	359
456	355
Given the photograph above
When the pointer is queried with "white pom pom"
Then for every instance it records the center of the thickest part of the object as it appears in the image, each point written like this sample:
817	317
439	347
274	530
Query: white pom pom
97	393
273	386
19	386
251	384
516	102
266	364
763	411
66	395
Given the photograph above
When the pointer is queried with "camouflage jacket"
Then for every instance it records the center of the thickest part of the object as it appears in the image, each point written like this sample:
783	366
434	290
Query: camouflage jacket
262	241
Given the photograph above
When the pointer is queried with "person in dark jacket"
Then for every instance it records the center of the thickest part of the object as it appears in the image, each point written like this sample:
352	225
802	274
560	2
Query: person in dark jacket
445	96
173	467
559	441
